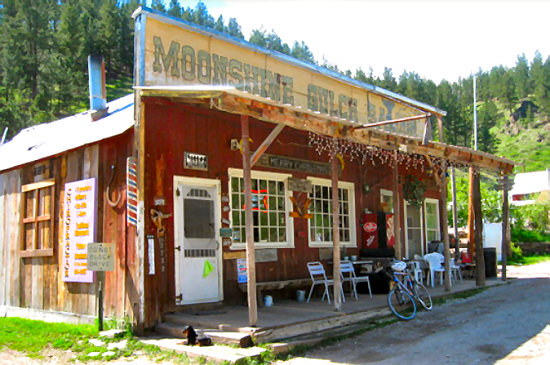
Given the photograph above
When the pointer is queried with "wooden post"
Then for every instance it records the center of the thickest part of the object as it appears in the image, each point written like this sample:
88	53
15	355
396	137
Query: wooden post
250	253
455	214
396	208
440	128
336	235
266	143
505	226
478	232
471	224
445	224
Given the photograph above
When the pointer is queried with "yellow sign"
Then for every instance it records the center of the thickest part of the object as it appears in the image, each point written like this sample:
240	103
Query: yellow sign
177	54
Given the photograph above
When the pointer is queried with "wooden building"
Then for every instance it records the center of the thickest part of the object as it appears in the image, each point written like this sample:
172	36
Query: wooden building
166	169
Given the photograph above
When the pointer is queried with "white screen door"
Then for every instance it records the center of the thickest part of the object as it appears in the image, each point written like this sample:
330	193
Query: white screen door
414	231
197	271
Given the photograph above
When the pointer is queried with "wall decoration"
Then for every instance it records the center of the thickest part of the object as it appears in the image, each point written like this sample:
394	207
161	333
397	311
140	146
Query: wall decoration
413	190
78	229
131	191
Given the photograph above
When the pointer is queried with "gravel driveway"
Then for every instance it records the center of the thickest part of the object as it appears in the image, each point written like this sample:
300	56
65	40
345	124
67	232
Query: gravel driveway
505	324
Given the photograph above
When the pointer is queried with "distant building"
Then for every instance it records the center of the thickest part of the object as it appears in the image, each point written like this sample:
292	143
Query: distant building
530	187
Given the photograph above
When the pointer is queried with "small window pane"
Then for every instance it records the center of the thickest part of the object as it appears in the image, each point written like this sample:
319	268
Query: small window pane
198	218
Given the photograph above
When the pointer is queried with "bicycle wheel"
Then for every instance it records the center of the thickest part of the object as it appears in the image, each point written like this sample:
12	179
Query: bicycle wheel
423	296
401	304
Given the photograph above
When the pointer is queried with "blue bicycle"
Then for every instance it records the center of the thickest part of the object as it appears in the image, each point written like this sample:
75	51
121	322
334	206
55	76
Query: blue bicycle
406	292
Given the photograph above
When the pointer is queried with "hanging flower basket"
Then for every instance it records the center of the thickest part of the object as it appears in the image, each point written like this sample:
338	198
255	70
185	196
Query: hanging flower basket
413	190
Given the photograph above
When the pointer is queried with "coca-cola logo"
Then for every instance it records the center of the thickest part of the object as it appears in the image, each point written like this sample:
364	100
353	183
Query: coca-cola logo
370	227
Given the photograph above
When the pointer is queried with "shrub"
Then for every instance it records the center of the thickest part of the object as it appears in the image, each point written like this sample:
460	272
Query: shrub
532	217
515	254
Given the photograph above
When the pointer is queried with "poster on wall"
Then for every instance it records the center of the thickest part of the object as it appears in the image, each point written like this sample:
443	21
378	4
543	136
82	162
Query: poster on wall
242	273
79	206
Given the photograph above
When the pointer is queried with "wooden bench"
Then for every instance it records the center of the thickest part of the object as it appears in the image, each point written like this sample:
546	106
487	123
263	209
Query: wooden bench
275	285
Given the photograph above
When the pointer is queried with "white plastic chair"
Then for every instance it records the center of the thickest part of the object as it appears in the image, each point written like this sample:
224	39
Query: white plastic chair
318	276
417	271
347	271
434	263
455	270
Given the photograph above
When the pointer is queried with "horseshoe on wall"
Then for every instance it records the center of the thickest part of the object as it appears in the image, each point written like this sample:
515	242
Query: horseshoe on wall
108	192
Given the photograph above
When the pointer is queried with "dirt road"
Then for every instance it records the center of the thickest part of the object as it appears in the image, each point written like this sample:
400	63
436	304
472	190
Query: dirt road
509	324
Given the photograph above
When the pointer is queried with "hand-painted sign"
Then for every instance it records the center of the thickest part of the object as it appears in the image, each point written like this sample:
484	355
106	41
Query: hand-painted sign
131	191
101	256
78	229
175	53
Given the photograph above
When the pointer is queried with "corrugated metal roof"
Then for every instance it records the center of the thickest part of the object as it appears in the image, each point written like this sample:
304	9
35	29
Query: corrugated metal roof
49	139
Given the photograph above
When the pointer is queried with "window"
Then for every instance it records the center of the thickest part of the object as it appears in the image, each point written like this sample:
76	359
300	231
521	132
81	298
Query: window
386	201
271	226
37	222
320	226
431	216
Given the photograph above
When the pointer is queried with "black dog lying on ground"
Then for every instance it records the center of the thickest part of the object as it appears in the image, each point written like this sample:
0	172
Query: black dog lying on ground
194	339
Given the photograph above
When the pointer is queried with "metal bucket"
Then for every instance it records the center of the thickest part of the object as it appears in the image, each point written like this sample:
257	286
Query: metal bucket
301	295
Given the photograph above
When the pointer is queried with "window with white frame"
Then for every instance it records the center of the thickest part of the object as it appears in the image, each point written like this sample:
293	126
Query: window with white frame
431	217
270	209
320	226
386	201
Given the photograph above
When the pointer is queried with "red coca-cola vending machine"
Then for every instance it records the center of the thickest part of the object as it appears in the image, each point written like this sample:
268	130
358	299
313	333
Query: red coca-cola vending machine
377	230
369	223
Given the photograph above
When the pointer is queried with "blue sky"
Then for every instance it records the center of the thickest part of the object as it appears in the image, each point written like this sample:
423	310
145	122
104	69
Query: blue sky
438	39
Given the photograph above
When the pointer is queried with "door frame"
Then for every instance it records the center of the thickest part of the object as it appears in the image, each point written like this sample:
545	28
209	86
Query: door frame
178	241
422	237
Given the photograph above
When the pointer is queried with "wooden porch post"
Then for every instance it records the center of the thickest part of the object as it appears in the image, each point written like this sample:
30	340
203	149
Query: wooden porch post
471	224
505	225
478	231
336	235
445	224
396	209
455	214
250	253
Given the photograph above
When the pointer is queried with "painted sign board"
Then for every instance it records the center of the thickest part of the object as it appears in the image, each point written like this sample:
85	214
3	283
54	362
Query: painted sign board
78	229
101	256
175	53
242	272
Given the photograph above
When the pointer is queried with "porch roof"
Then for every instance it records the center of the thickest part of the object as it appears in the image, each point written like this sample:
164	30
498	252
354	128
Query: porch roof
234	101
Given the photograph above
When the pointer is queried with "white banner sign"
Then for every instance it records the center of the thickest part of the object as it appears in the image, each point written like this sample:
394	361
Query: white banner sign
78	229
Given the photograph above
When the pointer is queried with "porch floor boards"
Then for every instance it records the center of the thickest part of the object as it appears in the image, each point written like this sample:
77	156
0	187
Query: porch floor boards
289	318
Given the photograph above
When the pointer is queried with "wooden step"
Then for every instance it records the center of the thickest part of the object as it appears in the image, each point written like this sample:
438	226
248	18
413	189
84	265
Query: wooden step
210	353
217	336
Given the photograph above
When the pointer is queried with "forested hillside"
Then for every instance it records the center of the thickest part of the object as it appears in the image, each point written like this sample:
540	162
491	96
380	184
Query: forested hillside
44	46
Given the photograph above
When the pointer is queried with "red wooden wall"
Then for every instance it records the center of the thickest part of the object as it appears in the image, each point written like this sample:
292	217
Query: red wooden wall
173	128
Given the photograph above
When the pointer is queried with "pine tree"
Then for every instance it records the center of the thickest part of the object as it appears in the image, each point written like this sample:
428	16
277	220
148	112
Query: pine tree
521	78
234	29
302	52
175	9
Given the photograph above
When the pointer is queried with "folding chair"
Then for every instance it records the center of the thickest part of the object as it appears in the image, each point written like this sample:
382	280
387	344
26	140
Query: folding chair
318	276
347	271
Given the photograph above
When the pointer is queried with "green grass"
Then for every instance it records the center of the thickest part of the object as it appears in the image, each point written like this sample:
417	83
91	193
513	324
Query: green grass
31	337
528	260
